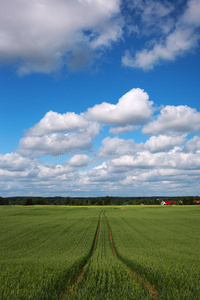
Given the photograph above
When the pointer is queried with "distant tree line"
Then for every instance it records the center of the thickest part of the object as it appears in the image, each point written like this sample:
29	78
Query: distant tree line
189	200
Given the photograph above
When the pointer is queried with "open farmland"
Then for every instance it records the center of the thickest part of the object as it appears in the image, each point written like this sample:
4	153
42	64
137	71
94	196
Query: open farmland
99	253
162	246
42	249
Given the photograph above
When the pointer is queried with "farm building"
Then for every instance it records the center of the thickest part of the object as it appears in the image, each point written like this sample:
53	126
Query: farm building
196	201
167	202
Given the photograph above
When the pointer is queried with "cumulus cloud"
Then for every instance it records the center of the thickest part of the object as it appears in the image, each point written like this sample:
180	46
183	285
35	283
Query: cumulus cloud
102	174
133	108
36	178
140	160
170	160
166	158
44	36
173	171
58	143
55	122
79	160
115	147
183	38
15	162
50	171
58	134
174	120
173	180
163	143
193	145
42	33
14	167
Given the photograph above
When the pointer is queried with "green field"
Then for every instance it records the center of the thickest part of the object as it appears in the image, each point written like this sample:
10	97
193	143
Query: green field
142	252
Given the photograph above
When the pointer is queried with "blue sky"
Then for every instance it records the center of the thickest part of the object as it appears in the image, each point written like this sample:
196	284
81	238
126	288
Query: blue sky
99	97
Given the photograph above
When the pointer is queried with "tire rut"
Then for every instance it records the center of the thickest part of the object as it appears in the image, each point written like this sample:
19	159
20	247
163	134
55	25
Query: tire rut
69	290
139	279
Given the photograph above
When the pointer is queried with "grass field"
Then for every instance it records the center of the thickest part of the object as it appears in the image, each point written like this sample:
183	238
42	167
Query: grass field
161	245
142	252
42	249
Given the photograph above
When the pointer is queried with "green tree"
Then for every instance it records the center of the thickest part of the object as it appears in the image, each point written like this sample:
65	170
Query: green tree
27	201
1	201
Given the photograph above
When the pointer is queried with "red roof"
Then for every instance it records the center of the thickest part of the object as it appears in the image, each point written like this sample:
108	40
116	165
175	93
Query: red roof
196	201
169	202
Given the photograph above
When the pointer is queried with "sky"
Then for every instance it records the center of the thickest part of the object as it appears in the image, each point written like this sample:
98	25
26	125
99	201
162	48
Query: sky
99	98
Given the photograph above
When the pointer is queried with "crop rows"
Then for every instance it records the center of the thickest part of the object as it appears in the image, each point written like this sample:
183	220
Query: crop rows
99	253
162	246
43	249
105	276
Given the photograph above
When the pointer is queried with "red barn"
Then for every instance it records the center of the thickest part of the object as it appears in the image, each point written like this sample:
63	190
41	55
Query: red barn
167	202
196	201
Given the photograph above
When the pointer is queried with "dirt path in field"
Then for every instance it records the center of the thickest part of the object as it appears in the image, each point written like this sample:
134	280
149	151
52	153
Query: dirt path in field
147	285
111	240
95	239
139	279
69	290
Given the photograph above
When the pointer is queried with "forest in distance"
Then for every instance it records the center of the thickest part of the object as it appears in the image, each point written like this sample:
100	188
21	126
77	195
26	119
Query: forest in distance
107	200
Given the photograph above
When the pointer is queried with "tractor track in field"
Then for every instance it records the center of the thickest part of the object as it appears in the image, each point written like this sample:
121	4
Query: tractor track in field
69	290
139	279
96	235
111	240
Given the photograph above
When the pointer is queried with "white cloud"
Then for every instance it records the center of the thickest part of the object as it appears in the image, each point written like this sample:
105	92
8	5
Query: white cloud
58	134
146	173
50	172
79	160
140	160
193	145
123	129
110	33
146	160
37	35
102	174
115	147
179	41
44	36
58	143
176	44
174	120
163	143
55	122
133	108
166	162
191	15
174	171
164	178
15	162
14	167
